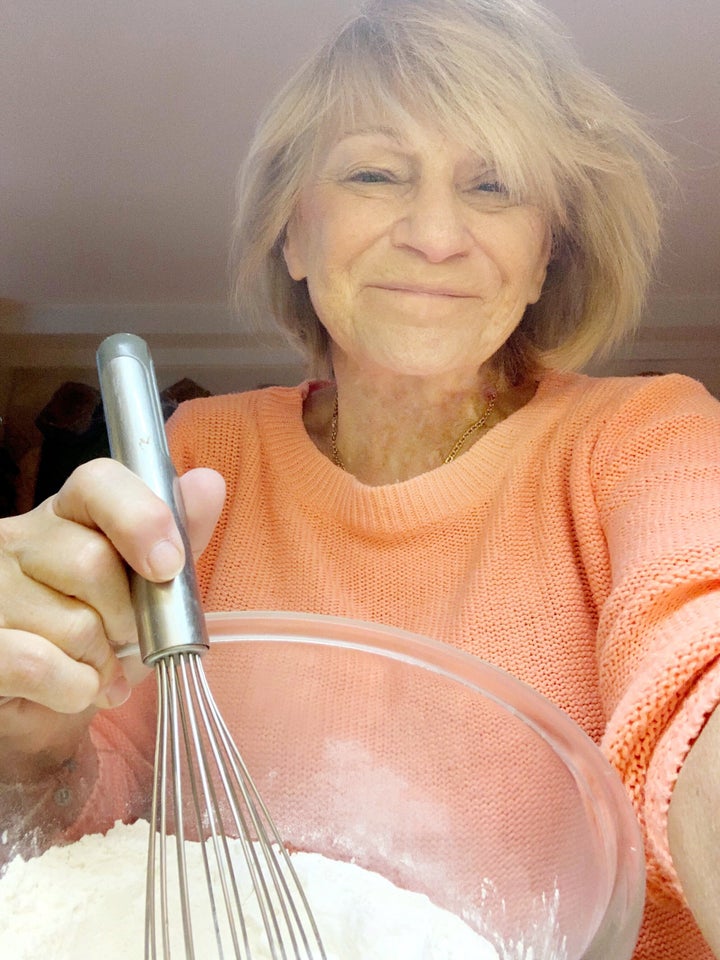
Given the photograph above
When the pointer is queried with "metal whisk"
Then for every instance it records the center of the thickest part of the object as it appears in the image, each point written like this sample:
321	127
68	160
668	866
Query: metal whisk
198	770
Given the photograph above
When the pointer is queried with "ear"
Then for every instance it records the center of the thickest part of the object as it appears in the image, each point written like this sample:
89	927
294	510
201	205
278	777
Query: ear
292	246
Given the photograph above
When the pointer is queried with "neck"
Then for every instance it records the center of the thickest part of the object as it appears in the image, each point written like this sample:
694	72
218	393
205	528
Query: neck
392	428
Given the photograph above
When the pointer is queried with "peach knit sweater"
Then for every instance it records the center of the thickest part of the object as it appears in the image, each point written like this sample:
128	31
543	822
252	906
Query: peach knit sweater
576	544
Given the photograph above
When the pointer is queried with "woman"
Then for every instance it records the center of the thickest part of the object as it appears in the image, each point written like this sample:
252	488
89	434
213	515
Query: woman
446	211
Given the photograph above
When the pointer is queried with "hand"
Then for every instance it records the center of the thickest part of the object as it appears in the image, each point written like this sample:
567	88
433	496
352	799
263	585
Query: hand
64	596
694	830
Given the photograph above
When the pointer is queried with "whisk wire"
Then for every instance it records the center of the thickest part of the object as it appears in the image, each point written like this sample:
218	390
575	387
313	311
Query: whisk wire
175	722
150	906
205	706
225	766
278	860
157	843
208	817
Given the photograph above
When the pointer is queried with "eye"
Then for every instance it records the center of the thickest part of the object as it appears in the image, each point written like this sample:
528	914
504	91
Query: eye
489	192
370	176
491	186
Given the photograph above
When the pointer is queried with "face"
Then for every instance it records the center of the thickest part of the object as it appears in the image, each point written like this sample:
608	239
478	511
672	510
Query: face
416	259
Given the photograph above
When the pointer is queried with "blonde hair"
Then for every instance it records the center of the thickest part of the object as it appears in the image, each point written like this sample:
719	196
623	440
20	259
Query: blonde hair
499	76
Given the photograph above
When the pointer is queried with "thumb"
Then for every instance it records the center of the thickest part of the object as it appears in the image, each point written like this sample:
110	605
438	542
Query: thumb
203	493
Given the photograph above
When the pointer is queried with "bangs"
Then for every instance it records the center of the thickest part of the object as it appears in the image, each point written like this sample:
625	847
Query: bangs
463	89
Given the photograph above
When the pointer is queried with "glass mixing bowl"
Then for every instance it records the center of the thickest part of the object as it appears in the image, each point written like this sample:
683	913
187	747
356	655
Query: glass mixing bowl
441	772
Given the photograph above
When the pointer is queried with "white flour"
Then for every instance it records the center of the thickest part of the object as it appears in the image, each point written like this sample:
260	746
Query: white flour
86	901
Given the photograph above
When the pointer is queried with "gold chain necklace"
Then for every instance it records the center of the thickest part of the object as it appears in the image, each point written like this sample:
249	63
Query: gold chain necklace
457	446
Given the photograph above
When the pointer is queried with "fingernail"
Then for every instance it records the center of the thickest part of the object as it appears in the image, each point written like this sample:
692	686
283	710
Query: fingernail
165	560
118	692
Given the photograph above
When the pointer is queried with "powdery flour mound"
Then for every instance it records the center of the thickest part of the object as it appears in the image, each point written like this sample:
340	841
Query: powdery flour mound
87	900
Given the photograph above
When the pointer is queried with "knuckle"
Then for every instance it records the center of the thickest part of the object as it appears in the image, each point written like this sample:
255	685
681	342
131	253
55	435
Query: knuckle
95	558
12	586
84	637
10	571
6	535
30	671
91	472
13	533
36	670
84	482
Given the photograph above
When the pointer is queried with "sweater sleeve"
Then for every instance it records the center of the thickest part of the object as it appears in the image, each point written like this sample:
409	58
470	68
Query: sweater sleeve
656	474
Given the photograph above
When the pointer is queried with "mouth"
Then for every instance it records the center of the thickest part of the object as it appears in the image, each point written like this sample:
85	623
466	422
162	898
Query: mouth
422	290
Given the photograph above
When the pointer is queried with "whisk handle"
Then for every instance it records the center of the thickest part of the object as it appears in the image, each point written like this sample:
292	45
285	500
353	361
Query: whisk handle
169	615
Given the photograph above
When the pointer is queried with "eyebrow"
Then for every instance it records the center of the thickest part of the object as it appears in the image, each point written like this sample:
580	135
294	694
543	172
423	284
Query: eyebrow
383	131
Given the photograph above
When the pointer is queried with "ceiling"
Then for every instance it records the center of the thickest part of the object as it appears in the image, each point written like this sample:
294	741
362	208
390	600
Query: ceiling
123	124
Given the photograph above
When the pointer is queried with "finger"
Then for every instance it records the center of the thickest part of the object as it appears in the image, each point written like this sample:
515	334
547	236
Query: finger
75	629
32	668
67	583
41	563
203	493
106	496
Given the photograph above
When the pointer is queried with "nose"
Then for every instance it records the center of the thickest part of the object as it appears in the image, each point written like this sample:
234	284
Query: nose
433	223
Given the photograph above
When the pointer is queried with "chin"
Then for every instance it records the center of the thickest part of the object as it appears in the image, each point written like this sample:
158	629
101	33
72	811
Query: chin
430	368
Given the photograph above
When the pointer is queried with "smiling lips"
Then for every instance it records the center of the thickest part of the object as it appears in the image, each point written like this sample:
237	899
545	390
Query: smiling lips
422	290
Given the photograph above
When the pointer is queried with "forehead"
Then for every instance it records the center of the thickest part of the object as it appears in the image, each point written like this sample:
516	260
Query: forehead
388	117
413	140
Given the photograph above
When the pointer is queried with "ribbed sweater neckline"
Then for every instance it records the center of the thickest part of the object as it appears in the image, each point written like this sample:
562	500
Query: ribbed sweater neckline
430	498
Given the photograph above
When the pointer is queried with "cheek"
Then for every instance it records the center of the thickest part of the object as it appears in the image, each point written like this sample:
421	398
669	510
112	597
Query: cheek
530	267
303	236
313	253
